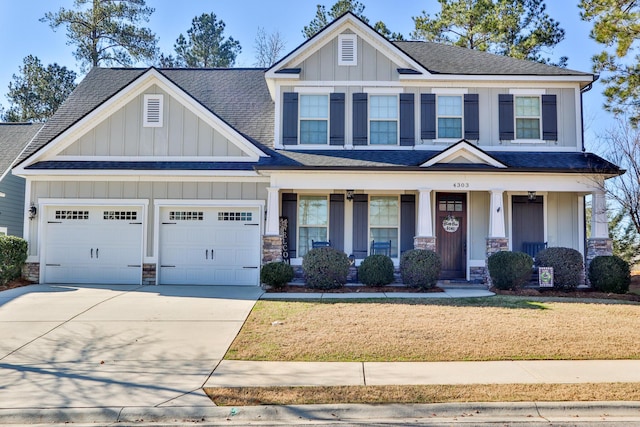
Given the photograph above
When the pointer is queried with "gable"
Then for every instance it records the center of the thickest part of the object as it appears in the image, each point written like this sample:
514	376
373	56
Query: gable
115	129
324	57
463	153
174	131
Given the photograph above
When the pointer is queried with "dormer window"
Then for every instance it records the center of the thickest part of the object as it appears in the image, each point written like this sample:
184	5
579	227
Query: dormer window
348	49
153	106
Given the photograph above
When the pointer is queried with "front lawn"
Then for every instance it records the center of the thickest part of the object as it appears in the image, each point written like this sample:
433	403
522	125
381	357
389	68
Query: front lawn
495	328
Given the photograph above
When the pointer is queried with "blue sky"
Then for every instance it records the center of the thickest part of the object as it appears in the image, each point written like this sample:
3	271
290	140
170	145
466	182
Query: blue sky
24	34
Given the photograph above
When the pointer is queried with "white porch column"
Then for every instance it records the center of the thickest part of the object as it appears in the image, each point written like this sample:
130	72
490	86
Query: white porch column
496	217
599	221
272	226
425	222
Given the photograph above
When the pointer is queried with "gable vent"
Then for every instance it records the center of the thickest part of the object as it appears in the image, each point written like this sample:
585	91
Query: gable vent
153	110
347	49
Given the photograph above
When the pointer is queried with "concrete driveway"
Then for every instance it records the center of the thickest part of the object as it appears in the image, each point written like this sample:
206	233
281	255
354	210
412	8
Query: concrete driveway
102	346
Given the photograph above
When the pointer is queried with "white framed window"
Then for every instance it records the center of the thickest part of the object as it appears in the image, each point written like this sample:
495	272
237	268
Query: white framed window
313	221
383	119
384	220
348	49
449	116
153	110
3	231
314	118
527	117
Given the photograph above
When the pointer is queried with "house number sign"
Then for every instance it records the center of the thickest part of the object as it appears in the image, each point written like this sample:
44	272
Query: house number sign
450	224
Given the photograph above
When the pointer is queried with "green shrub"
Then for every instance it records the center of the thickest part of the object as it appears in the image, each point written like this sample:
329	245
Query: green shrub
610	274
13	254
420	268
568	266
325	268
376	270
276	274
509	270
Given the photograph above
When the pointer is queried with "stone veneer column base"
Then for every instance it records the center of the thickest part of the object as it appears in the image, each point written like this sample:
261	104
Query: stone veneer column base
494	244
149	274
271	249
31	272
424	243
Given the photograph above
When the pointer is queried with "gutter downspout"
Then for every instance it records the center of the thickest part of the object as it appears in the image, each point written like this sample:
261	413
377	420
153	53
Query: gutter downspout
585	89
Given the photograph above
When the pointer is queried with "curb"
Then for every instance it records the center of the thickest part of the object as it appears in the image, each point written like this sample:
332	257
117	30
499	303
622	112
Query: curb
208	415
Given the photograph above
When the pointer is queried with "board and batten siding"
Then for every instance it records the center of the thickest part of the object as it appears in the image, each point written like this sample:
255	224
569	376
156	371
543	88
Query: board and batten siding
372	65
123	134
562	228
12	205
144	190
478	223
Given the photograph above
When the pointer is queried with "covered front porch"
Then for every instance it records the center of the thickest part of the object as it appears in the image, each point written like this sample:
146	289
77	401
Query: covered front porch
464	217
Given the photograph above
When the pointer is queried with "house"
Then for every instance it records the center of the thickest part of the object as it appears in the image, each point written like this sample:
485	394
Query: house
13	138
193	176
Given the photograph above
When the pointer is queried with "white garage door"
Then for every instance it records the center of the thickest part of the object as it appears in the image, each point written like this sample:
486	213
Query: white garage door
209	246
101	245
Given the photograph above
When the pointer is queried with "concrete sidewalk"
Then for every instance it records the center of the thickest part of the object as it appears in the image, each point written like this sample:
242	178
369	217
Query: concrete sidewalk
449	292
234	373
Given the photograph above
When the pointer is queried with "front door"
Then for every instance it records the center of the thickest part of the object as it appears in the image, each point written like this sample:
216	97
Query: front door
528	223
451	234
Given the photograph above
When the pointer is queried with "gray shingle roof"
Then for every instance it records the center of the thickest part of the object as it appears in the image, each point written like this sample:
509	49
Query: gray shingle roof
446	59
240	97
13	138
518	161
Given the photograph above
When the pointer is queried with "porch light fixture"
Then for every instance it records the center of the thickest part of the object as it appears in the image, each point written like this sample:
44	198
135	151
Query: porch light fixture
33	211
532	196
349	194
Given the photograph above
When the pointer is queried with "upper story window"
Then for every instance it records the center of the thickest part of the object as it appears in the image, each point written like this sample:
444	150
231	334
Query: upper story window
314	119
527	115
449	113
449	116
383	119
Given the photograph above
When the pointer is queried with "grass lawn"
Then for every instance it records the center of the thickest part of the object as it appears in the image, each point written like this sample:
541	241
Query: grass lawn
494	328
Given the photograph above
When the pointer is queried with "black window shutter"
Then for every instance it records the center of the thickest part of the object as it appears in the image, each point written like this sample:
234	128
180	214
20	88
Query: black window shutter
428	116
336	119
471	116
360	225
290	211
290	118
336	221
360	119
407	221
407	120
505	116
549	118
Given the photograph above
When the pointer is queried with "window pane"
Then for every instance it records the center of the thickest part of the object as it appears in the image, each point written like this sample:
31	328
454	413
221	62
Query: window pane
384	235
314	106
449	105
528	106
307	234
383	107
313	210
383	211
528	128
449	128
313	132
384	132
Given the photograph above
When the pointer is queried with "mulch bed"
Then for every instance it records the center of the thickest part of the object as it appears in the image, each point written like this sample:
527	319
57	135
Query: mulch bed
15	284
351	289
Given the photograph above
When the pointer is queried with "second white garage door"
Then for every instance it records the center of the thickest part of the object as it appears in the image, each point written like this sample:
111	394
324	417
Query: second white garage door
209	246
